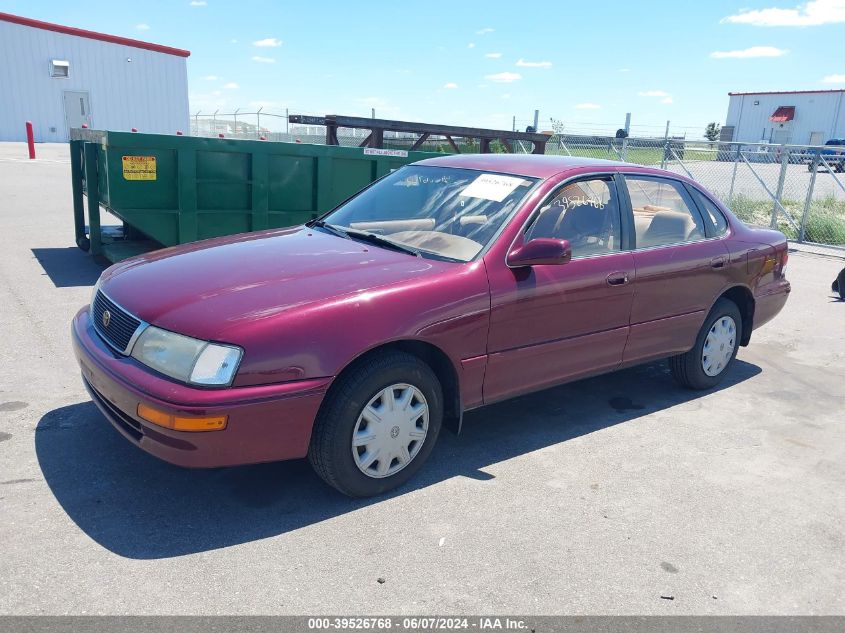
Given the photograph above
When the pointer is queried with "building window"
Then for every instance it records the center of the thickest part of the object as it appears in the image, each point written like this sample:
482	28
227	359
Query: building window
59	68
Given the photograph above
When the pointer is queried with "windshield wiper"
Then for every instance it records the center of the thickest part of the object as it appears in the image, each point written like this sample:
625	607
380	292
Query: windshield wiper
378	240
331	228
364	236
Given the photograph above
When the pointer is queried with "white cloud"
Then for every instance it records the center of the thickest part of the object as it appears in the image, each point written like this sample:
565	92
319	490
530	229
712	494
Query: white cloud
834	79
587	106
507	95
211	78
754	51
667	100
813	13
653	93
493	55
484	31
231	86
142	27
198	3
268	42
451	85
216	93
471	45
504	78
263	60
524	64
233	41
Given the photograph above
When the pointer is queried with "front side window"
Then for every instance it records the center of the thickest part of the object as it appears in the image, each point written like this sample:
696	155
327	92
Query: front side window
586	213
663	213
438	211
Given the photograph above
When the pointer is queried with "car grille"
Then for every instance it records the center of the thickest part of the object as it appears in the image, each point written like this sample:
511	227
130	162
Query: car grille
121	325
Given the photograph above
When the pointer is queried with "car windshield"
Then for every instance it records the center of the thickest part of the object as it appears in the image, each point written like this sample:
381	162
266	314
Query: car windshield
435	211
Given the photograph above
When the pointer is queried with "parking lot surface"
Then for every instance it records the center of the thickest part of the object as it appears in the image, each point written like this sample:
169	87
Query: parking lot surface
622	494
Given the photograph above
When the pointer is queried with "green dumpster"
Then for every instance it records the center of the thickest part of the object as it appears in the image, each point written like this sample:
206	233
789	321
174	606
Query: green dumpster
169	190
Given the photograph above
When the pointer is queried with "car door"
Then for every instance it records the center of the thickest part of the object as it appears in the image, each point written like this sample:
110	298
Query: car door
681	268
553	323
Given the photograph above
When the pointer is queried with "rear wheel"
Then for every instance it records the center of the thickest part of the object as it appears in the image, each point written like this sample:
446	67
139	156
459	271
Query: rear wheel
716	345
378	425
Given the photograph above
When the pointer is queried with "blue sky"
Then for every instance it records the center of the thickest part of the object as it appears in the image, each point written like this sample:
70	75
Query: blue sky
481	63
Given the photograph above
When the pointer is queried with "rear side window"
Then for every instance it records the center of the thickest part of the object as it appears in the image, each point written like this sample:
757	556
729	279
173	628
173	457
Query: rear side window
663	213
719	223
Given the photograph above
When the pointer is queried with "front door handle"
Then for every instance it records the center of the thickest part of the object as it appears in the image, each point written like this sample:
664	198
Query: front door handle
719	261
619	278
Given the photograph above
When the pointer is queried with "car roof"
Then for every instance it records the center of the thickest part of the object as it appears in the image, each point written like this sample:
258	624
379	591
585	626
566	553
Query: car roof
530	165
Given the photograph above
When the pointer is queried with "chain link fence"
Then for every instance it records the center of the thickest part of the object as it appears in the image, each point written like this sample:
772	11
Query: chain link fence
797	189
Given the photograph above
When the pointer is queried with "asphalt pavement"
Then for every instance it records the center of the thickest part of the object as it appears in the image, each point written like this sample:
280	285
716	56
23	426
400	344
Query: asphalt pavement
622	494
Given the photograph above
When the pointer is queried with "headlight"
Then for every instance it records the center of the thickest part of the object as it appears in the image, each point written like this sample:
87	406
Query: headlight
185	358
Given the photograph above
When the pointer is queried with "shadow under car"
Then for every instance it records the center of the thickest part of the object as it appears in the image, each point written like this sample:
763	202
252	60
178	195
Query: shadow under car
139	507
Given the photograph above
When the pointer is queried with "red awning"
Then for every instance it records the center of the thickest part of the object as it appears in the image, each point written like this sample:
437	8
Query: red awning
783	114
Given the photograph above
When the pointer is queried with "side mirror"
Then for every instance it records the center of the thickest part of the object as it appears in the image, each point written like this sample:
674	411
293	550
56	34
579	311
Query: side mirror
540	251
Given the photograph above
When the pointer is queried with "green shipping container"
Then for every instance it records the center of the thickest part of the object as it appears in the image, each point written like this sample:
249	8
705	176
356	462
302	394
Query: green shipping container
170	190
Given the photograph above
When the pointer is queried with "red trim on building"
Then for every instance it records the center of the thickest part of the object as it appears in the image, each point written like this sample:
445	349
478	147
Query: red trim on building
783	114
93	35
785	92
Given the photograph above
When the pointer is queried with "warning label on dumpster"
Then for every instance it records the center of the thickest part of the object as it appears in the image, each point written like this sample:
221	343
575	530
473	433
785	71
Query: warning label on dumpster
139	167
401	153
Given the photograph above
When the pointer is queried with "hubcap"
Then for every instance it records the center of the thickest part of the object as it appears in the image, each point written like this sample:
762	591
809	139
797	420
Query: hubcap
719	346
390	431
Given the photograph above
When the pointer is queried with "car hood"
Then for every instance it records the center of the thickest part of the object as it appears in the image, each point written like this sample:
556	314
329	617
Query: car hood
206	289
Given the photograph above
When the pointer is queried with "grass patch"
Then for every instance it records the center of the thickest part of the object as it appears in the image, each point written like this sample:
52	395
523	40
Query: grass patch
825	220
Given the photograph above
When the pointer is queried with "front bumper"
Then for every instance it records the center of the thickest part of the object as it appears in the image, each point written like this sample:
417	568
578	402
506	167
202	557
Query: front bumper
265	423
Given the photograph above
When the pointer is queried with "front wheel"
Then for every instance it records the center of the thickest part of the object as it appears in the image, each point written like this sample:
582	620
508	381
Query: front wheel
378	425
716	345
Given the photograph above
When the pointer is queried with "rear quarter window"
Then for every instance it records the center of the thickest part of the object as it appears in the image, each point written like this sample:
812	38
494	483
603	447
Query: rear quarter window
717	220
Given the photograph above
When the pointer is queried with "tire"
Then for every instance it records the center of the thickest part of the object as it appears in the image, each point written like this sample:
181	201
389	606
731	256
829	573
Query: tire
689	369
366	384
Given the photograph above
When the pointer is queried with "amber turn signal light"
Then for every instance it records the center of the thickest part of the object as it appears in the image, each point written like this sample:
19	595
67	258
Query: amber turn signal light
181	423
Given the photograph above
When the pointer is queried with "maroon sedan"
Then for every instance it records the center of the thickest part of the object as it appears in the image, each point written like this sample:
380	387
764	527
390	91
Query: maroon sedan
449	284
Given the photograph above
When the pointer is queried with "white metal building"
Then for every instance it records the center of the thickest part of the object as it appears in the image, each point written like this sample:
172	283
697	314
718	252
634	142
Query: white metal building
801	117
60	77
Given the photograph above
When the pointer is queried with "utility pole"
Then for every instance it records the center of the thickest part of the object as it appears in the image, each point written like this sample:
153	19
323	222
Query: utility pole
373	112
536	120
628	123
666	136
513	128
287	121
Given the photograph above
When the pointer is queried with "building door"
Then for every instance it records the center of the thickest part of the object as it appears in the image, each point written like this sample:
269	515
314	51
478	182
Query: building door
77	109
781	136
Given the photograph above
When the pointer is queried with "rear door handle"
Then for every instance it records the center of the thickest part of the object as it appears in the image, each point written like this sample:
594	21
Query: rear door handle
719	261
619	278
